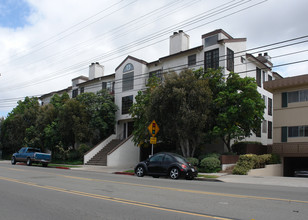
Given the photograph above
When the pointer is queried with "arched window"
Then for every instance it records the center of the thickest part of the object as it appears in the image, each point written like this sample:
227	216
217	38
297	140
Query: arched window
128	77
128	67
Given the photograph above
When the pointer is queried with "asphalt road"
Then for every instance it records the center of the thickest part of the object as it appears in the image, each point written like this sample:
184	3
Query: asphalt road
47	193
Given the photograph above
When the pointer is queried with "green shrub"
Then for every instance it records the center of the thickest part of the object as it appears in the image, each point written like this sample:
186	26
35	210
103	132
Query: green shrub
193	161
216	155
240	170
275	159
83	148
250	161
210	164
73	155
262	160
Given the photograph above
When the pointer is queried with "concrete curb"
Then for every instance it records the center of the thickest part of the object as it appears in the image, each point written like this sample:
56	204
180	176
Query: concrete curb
208	179
124	173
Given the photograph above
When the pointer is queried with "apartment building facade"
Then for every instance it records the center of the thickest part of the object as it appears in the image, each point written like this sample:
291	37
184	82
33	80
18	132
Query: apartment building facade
290	128
95	82
217	49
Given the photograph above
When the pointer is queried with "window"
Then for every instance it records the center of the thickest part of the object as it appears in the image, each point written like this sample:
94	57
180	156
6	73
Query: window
192	60
128	68
293	97
157	158
157	73
296	96
168	159
109	86
212	40
230	60
293	131
128	77
270	106
127	102
298	131
263	76
128	81
265	101
75	93
211	59
270	78
81	90
303	95
258	76
264	126
270	130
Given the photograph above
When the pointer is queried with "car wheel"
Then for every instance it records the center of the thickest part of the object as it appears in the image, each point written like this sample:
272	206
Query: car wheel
45	164
174	173
29	163
190	177
13	161
140	171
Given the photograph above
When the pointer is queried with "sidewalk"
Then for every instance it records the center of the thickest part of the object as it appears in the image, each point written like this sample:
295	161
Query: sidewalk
266	180
223	177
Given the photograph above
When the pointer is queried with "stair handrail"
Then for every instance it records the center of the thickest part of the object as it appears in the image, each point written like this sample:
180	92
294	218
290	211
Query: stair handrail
91	153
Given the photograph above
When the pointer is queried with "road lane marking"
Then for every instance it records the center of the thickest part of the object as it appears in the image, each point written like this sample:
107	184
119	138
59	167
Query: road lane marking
178	190
188	191
117	200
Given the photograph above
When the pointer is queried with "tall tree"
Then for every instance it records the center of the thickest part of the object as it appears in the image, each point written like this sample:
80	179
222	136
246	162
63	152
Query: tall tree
237	108
23	116
100	109
140	112
180	107
73	123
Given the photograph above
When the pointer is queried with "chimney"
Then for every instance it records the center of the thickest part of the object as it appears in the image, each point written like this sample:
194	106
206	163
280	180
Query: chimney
95	70
179	41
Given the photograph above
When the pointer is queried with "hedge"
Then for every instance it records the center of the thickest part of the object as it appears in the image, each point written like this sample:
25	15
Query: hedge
250	161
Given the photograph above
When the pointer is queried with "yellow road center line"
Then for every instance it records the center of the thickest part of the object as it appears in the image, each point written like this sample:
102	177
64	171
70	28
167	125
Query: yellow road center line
177	190
117	200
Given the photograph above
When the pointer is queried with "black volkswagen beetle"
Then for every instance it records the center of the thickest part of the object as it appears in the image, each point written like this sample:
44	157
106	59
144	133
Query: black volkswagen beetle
166	164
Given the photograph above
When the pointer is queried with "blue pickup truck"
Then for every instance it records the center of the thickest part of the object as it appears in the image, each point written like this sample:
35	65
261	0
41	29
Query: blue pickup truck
31	155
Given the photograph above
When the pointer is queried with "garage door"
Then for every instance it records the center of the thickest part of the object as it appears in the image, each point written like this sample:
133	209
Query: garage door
294	163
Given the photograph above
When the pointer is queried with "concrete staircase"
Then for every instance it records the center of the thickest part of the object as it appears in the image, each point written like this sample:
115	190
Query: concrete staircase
100	159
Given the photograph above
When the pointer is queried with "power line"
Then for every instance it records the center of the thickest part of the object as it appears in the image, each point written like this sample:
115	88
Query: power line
145	75
66	30
153	37
221	58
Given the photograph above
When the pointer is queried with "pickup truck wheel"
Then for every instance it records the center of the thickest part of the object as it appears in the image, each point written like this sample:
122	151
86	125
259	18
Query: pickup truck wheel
29	162
13	161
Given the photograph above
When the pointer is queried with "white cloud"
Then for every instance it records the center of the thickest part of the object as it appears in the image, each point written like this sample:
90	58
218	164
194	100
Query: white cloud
269	22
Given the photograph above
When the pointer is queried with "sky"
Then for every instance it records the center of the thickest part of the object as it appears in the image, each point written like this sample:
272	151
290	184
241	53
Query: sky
45	44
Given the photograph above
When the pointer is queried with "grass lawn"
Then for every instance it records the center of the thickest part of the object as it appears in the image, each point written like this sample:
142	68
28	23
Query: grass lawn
62	165
129	171
207	176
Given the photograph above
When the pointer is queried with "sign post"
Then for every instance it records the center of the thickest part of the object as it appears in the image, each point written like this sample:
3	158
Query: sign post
153	129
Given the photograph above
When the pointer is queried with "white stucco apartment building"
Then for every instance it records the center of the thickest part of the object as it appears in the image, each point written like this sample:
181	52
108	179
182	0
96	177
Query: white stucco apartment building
217	49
